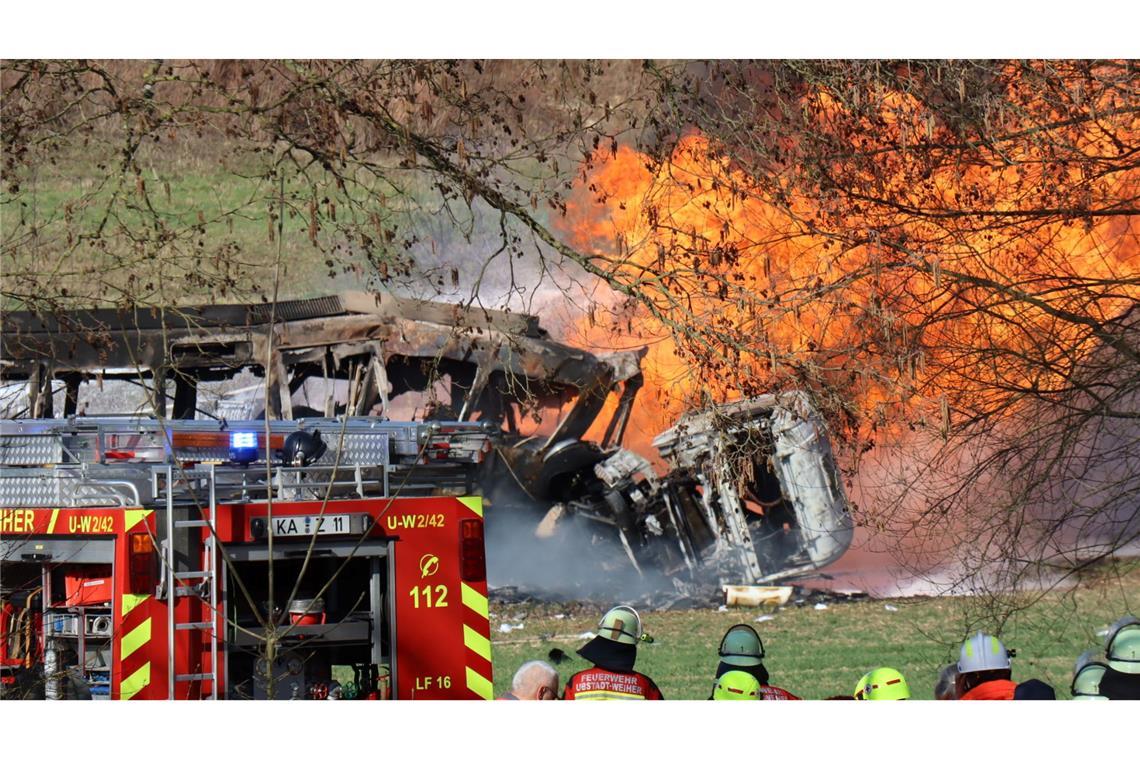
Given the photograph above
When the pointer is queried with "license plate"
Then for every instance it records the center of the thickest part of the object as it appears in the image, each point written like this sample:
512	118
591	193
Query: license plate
307	525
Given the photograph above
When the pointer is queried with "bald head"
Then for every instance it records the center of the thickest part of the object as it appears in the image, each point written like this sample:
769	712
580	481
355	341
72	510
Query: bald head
535	680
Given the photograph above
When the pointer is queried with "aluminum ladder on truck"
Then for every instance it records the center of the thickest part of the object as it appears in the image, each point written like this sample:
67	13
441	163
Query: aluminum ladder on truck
204	581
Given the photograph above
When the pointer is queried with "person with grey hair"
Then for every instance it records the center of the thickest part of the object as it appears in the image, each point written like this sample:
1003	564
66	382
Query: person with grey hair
946	686
534	680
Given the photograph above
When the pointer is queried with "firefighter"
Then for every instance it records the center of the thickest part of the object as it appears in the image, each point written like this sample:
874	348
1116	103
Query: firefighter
984	669
613	652
736	684
882	684
1121	679
741	649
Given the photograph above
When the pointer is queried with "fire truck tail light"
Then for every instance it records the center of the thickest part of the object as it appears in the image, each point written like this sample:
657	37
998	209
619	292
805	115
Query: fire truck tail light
472	556
142	571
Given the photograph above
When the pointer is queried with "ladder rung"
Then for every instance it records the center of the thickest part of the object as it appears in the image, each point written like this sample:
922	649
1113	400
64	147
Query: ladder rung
193	574
195	677
193	626
191	523
190	591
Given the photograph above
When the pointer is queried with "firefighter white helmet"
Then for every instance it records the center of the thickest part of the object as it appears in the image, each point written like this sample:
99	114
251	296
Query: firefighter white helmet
621	624
741	646
1122	647
1086	676
983	652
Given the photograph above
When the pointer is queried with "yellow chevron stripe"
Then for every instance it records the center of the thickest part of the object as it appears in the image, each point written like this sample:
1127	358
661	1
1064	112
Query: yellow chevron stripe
474	600
474	503
477	642
51	523
130	601
135	639
479	685
132	517
135	682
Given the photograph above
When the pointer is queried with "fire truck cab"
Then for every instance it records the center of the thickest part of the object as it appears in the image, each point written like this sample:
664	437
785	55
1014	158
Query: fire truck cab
143	558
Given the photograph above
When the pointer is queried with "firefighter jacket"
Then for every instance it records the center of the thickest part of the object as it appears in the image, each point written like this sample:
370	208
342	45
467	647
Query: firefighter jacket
775	693
1117	685
999	689
599	683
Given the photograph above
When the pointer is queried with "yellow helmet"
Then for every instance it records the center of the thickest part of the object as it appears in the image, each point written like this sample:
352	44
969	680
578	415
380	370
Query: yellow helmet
885	684
736	684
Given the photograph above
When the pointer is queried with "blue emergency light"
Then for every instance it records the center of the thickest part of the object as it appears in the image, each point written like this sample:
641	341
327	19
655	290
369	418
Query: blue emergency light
243	447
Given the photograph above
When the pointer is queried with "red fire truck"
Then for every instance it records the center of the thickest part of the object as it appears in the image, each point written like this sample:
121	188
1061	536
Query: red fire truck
158	559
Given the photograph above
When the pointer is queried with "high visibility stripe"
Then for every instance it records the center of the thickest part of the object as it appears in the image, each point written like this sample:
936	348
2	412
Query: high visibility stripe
54	517
135	639
133	517
130	601
479	685
475	600
474	503
579	695
135	682
477	642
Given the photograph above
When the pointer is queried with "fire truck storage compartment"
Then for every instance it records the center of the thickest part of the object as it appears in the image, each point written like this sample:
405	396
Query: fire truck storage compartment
354	639
87	585
20	608
77	622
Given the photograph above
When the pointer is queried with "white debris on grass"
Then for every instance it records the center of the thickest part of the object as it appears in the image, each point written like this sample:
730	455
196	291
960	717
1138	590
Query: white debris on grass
764	618
559	616
890	608
508	627
722	608
820	606
586	635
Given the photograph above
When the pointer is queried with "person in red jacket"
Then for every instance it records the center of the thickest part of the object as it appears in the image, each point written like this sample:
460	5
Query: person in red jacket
984	669
613	652
741	649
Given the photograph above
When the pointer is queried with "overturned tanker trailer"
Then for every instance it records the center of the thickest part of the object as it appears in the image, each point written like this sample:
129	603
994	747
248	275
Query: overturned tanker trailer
749	493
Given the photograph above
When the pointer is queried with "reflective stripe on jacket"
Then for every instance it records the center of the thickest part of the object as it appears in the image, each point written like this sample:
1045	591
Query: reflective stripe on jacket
775	693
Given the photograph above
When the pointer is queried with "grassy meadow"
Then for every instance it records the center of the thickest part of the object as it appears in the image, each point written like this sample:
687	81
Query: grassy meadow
819	653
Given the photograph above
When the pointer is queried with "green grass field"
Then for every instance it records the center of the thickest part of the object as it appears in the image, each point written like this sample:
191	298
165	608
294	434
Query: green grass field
819	653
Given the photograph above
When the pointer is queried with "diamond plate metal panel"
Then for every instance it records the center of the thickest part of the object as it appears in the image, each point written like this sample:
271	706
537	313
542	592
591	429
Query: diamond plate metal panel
28	450
61	488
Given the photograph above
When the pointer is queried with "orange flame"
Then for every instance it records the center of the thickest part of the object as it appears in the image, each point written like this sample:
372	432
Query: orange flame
943	292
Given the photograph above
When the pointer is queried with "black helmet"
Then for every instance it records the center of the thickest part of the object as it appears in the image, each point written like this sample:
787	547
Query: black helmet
302	448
